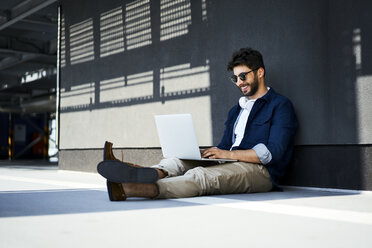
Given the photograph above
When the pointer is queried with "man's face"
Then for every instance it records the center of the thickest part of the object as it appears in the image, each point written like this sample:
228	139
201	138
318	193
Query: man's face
249	86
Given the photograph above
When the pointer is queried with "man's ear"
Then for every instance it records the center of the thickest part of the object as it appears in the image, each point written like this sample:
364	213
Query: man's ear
261	72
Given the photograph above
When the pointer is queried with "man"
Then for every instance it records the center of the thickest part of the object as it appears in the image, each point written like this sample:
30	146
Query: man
259	134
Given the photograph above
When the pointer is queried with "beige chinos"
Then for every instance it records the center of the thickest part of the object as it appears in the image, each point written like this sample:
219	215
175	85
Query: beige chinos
187	178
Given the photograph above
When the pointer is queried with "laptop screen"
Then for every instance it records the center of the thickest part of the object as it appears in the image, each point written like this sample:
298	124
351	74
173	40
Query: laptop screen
177	136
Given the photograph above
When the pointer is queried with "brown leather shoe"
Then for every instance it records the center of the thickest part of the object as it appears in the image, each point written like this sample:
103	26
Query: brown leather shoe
107	152
115	191
109	155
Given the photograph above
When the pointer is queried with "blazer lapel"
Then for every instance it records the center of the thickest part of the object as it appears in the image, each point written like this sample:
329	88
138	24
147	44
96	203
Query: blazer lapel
255	109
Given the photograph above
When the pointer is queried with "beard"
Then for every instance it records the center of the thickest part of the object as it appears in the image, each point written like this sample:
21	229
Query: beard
253	86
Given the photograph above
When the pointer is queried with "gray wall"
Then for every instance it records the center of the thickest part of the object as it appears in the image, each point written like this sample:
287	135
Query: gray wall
317	53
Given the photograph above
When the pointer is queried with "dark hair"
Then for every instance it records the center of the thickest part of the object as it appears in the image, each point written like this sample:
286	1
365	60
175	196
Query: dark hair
246	56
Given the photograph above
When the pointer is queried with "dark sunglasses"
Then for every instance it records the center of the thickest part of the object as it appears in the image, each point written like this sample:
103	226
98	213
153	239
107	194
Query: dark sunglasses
242	76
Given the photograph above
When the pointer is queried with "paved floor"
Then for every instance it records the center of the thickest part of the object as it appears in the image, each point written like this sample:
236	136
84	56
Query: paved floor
41	206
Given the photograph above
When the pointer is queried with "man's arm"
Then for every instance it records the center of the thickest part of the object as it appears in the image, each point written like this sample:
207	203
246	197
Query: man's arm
240	155
284	124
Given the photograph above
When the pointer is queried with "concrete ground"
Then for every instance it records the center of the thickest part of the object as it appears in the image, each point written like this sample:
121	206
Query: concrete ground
41	206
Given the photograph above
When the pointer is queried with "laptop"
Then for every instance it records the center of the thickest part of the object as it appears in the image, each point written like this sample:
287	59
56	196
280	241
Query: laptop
178	138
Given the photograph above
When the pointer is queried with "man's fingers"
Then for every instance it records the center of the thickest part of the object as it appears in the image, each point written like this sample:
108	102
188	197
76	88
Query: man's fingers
206	151
207	154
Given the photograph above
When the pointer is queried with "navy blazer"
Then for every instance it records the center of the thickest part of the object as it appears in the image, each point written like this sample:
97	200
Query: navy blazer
272	122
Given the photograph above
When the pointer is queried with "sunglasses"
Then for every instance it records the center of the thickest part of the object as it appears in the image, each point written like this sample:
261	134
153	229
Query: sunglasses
242	76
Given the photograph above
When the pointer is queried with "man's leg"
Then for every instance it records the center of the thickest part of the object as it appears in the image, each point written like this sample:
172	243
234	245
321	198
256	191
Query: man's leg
173	167
225	178
166	168
170	168
139	181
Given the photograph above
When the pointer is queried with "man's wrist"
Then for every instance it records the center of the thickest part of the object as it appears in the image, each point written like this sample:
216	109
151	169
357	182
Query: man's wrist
231	155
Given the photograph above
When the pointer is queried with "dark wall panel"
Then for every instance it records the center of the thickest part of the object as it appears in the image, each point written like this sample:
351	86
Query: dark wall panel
341	166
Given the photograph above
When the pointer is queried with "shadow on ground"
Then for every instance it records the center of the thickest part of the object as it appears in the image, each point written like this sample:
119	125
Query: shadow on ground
77	201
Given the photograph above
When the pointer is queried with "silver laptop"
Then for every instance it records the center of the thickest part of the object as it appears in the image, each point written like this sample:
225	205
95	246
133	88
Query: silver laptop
178	138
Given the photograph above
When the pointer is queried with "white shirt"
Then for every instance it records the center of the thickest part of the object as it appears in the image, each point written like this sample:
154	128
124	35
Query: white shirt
246	106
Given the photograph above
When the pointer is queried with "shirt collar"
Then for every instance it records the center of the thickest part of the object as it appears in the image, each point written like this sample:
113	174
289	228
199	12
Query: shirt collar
244	102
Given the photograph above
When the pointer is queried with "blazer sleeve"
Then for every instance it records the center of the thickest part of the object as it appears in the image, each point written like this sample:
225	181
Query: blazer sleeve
282	132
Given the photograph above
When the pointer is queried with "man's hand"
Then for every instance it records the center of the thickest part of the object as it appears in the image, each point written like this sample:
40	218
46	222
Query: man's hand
240	155
214	152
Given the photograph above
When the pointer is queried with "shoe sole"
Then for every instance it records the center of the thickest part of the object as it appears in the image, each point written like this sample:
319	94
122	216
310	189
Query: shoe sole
120	172
109	191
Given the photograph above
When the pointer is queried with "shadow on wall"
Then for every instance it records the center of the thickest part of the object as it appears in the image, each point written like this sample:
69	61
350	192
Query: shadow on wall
131	56
116	54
